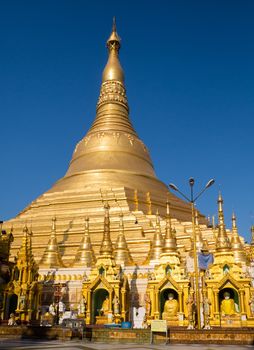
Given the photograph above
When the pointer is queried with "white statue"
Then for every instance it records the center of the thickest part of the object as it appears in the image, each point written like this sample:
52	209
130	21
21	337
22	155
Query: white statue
52	309
12	321
207	311
116	305
61	307
82	306
251	303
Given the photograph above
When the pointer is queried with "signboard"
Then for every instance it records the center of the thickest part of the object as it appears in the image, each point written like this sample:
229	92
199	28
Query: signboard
159	326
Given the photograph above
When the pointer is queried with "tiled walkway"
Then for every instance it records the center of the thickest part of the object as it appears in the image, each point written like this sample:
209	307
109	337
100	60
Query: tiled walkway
6	344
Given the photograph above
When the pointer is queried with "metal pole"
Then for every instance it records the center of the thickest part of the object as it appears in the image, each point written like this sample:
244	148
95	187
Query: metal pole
195	257
196	272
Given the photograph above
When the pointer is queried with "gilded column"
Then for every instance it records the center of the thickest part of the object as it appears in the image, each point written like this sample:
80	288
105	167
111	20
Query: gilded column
110	302
180	301
216	307
242	308
246	302
216	301
123	293
89	307
153	301
156	313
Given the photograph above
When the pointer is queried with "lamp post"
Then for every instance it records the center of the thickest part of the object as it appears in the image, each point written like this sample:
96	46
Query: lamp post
192	201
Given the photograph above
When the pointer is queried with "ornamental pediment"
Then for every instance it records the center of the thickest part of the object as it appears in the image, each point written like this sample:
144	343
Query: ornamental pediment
228	281
168	281
100	282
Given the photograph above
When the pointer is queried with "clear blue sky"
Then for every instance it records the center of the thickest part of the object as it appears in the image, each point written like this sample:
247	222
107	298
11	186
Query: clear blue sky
189	69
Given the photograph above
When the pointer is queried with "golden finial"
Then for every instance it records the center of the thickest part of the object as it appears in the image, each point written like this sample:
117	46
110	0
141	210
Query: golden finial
149	203
157	218
106	244
234	227
236	244
168	207
170	237
220	209
168	217
113	69
24	249
114	41
114	24
222	241
53	226
86	225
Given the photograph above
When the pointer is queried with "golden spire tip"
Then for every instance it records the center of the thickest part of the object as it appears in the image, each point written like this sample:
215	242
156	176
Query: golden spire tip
114	24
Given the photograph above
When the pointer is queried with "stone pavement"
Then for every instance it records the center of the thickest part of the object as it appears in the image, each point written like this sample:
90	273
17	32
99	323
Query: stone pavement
6	344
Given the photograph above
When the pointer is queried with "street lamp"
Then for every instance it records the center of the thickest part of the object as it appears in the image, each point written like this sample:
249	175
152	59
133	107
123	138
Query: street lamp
192	200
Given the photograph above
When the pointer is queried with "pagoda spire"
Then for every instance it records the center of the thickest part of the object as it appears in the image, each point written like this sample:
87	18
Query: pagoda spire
51	257
105	264
113	69
25	260
85	255
24	252
158	241
169	254
236	244
170	238
112	106
121	251
222	241
106	244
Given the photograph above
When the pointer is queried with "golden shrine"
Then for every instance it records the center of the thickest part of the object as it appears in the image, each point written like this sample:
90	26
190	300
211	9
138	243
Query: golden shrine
111	243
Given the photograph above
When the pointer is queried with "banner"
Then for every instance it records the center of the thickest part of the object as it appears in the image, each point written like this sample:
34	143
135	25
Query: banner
204	260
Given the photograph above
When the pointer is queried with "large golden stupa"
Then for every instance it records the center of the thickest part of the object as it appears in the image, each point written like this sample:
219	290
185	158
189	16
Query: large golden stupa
111	242
111	164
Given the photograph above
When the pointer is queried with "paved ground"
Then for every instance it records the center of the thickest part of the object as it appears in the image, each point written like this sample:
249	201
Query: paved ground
6	344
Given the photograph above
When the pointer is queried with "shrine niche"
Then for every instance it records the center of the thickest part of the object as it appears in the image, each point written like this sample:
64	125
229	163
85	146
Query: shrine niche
106	300
230	301
167	300
99	301
11	305
100	304
169	304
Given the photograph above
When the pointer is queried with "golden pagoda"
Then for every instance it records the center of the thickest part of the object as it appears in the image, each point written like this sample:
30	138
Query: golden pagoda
133	258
